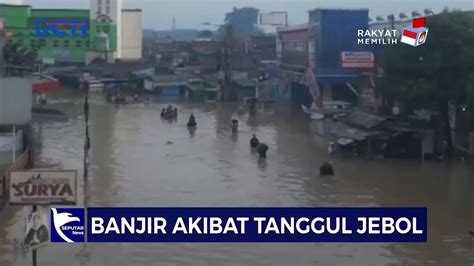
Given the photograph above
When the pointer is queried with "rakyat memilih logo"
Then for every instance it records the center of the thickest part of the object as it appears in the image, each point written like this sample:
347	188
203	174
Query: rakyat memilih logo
67	225
416	34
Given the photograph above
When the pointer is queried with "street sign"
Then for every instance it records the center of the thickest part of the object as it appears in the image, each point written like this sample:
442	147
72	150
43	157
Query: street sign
43	187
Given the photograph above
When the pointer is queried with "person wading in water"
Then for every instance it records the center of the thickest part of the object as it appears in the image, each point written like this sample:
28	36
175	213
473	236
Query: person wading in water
254	142
262	149
192	121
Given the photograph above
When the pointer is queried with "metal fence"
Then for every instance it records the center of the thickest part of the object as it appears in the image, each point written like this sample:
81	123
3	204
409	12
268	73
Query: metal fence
20	163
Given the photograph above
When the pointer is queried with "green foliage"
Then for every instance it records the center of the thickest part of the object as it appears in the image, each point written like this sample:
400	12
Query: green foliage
441	70
19	56
243	22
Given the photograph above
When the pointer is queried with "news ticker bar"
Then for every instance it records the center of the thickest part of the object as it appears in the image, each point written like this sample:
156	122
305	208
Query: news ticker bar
256	224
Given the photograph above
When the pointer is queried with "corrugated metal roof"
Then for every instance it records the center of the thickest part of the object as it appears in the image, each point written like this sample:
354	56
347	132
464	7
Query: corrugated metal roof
363	119
245	82
293	28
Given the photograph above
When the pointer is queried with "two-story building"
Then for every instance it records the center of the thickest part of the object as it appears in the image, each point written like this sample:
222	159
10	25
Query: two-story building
328	43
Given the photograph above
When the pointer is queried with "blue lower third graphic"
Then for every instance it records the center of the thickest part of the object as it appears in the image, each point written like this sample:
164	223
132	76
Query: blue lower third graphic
67	225
257	225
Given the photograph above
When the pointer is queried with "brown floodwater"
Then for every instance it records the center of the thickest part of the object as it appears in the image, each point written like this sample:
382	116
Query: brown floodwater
138	160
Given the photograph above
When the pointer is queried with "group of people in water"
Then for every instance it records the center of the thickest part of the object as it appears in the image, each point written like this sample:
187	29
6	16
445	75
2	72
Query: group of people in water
260	147
172	113
255	144
117	98
169	112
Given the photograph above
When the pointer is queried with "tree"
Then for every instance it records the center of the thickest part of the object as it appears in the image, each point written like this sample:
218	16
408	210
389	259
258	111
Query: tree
19	56
438	72
243	22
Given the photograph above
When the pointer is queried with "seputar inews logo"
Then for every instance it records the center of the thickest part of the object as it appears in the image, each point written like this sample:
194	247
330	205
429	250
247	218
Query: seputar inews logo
414	36
67	225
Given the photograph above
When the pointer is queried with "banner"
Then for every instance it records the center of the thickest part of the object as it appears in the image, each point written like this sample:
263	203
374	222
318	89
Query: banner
357	59
36	231
252	224
43	187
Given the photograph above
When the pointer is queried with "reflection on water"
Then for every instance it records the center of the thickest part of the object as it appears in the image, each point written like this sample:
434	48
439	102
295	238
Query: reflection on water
139	160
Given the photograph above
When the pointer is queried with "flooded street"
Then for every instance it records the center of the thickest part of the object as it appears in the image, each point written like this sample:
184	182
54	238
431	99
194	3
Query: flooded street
138	160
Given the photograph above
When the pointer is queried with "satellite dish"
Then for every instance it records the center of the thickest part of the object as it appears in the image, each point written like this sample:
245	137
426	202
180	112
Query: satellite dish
415	14
379	18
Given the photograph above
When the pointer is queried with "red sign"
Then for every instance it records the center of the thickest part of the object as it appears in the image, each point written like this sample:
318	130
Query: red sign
418	22
367	92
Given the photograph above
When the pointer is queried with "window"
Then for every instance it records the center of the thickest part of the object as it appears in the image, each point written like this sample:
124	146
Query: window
106	29
55	43
107	9
78	43
87	44
99	7
66	43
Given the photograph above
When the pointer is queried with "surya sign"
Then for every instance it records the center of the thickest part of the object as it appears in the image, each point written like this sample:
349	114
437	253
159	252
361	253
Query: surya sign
43	187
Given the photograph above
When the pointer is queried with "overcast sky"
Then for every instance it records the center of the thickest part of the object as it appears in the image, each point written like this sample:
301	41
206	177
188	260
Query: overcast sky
189	14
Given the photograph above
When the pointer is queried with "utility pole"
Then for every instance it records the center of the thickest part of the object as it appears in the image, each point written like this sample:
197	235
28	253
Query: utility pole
228	93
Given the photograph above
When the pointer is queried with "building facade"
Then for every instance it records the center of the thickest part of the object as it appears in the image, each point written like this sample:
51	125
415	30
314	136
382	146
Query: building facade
102	40
321	44
131	37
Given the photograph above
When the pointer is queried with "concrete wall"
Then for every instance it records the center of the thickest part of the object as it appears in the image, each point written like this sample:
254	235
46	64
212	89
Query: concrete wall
12	2
132	35
15	101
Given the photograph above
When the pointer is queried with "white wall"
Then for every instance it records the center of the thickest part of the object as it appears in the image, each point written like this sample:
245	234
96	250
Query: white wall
132	35
115	14
12	2
15	101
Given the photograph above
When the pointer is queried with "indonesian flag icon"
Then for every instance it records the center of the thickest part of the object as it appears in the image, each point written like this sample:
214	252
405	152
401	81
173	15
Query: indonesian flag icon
415	35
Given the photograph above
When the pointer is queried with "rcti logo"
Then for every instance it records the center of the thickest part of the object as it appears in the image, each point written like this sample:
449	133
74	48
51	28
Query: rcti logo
67	225
56	28
415	35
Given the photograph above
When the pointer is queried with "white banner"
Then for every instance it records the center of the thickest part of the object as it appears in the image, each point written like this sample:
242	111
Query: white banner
358	59
274	19
38	187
